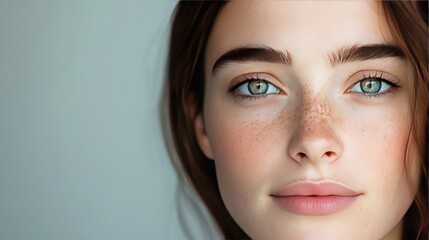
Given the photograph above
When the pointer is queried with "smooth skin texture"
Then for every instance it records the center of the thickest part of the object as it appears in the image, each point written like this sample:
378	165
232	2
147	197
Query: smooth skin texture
313	124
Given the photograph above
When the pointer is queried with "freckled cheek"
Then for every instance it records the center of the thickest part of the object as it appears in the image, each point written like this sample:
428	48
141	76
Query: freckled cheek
244	152
236	142
245	144
238	133
377	145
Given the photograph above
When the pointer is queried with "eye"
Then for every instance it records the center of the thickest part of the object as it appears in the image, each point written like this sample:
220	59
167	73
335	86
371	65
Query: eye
372	86
256	87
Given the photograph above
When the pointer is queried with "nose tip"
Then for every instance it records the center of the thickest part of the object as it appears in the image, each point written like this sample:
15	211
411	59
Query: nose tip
316	144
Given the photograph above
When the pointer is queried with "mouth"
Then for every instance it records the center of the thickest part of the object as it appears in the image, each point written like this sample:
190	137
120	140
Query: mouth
315	198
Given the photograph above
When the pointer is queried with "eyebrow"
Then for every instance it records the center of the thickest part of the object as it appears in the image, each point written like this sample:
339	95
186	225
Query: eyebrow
340	56
364	52
253	54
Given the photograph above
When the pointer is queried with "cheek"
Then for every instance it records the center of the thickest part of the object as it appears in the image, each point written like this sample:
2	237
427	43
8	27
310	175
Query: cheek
240	136
379	144
246	145
377	149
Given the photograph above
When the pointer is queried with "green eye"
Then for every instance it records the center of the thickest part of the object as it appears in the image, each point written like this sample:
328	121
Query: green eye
371	86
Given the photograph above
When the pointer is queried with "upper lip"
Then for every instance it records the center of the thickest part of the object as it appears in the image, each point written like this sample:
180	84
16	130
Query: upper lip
320	188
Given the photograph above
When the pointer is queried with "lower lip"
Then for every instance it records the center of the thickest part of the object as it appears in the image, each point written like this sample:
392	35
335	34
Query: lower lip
315	205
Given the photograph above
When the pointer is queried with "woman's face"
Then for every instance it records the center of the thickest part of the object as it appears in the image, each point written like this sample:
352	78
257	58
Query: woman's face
306	116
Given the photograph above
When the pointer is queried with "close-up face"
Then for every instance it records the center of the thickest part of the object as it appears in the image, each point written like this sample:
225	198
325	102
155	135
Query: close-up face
307	118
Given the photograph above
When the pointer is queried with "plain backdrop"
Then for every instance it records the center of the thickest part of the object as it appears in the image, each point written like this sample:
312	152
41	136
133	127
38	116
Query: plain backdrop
81	148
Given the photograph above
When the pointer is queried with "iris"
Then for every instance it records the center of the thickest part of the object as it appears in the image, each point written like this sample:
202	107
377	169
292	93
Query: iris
370	86
258	87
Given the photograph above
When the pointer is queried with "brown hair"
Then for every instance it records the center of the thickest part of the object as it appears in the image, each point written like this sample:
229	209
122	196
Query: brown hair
191	27
408	24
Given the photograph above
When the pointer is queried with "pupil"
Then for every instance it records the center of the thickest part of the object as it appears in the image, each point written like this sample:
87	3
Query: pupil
369	85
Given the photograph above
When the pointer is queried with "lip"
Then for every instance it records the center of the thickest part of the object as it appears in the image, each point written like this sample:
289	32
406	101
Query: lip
315	198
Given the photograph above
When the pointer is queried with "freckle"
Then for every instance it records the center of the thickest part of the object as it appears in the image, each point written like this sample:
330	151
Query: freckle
315	108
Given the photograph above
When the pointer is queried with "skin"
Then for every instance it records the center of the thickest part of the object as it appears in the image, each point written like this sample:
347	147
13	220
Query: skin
315	128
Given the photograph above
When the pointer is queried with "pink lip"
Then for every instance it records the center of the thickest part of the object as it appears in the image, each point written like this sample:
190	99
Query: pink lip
315	198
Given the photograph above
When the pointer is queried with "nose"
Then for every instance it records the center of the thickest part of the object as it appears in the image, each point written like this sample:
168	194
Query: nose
314	139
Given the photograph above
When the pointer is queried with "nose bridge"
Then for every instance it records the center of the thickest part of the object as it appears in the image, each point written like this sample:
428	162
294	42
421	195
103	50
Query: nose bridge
315	110
314	137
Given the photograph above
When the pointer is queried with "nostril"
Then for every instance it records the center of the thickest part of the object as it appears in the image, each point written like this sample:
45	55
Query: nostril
301	155
330	154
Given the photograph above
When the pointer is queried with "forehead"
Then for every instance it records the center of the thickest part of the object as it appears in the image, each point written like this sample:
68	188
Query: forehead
304	28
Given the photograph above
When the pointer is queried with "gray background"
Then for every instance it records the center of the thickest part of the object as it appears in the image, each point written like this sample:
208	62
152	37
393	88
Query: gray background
81	149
